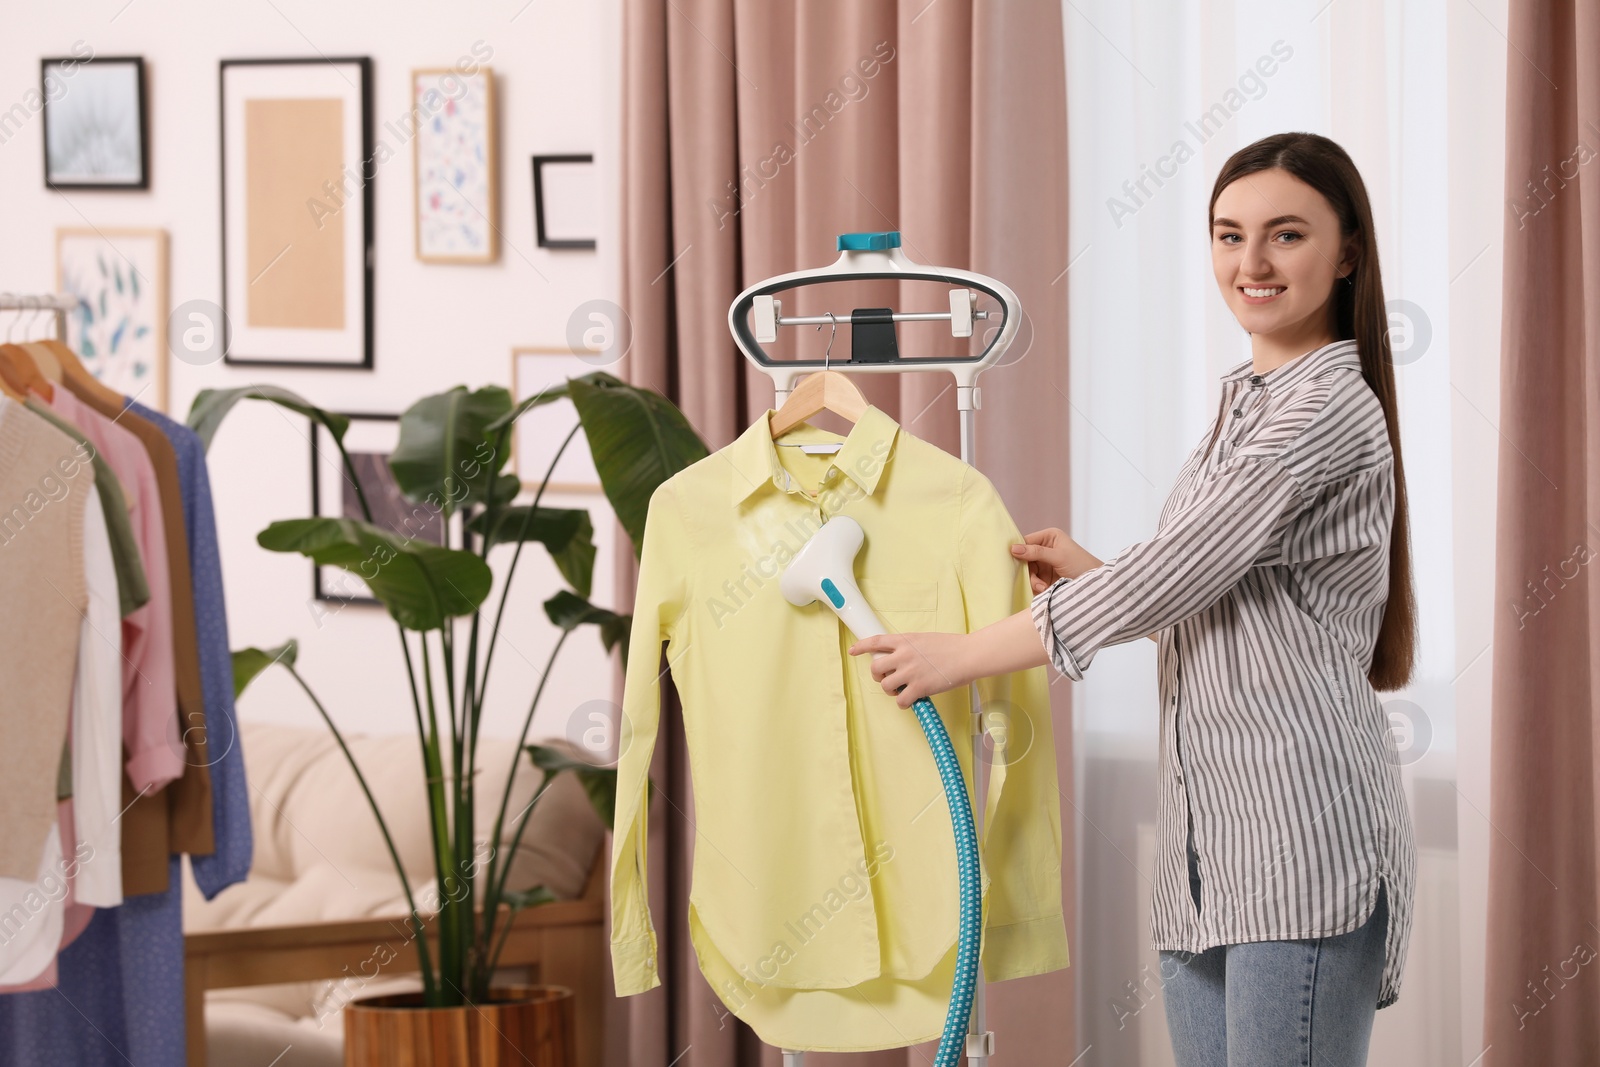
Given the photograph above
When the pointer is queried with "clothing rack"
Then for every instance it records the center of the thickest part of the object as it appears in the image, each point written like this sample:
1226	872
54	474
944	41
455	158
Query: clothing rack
56	303
875	350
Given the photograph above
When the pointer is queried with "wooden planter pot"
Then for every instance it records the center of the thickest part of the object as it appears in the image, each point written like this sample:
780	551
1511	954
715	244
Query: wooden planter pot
522	1025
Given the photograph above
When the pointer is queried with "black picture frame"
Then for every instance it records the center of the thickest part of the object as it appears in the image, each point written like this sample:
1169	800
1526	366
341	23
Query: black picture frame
137	62
453	534
369	169
544	240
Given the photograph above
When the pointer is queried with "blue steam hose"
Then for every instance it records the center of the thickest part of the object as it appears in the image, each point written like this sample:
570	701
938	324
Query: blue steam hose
955	792
823	571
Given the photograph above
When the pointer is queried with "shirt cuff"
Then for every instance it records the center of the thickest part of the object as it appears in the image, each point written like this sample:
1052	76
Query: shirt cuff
154	767
633	965
1023	949
1060	655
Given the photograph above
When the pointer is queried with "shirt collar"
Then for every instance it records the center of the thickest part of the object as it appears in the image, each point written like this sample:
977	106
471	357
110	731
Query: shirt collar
863	457
1313	364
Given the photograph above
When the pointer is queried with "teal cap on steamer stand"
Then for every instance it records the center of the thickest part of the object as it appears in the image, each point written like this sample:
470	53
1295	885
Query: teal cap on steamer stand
869	242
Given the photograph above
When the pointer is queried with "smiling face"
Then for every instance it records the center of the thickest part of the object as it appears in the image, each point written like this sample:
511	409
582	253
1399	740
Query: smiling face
1276	251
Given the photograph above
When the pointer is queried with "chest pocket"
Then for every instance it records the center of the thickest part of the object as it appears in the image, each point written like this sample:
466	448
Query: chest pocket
903	606
897	597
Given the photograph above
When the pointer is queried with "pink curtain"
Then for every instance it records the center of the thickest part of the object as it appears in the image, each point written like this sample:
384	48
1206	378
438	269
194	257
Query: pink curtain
1542	995
754	132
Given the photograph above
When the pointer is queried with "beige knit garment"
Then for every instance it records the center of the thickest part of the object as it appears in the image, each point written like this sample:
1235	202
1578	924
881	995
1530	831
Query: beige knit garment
44	479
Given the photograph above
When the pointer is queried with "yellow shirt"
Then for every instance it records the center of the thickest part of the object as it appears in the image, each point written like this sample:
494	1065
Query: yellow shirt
823	903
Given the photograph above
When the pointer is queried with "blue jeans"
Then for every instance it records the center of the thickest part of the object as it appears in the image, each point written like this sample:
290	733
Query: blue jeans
1305	1003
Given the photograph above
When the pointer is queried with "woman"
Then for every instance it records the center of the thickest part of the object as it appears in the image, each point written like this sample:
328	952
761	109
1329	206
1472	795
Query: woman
1278	587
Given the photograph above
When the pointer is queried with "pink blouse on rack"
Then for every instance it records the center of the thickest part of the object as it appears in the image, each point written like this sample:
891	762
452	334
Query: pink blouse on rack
149	692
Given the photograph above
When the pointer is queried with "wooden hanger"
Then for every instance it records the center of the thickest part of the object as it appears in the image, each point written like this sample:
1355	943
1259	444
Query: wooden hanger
5	381
826	390
44	359
77	377
21	374
19	371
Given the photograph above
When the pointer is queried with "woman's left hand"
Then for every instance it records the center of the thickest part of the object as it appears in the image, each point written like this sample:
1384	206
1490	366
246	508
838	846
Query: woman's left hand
924	663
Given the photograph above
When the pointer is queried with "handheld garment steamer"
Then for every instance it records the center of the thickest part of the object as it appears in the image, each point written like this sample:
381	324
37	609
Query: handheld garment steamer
824	570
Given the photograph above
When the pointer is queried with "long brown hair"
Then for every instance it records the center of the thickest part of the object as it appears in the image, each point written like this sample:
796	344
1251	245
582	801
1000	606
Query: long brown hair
1360	314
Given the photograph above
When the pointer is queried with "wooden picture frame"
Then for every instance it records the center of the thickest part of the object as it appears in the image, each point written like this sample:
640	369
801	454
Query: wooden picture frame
97	129
531	369
297	169
549	226
455	167
119	329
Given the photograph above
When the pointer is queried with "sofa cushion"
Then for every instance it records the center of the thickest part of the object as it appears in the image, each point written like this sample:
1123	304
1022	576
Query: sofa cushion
243	1032
319	855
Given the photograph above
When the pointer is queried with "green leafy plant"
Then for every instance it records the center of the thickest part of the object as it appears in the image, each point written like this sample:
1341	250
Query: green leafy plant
451	455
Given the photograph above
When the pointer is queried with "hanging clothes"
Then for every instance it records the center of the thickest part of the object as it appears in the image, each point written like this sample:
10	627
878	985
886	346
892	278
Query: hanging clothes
34	909
229	862
81	860
118	996
94	844
823	908
43	589
115	994
149	703
177	818
133	589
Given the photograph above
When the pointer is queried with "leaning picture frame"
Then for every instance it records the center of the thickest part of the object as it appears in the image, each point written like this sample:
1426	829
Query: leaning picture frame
297	170
537	437
369	441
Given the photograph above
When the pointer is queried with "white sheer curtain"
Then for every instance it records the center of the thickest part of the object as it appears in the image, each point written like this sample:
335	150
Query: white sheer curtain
1159	95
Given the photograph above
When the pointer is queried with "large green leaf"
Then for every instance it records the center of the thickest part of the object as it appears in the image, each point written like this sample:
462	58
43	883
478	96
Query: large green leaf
211	405
445	455
638	439
600	783
506	488
422	584
249	662
567	533
569	611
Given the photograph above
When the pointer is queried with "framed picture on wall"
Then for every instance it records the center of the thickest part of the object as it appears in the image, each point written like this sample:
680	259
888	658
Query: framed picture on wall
538	435
96	123
455	165
370	441
297	211
565	208
119	328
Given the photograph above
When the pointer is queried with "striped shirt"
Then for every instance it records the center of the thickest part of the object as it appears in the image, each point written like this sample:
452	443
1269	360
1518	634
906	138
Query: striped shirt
1267	578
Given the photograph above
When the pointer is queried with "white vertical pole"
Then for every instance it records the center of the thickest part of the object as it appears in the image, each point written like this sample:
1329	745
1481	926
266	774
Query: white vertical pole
980	1042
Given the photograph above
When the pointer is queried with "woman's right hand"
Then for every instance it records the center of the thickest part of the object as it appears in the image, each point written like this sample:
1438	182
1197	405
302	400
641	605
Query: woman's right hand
1052	554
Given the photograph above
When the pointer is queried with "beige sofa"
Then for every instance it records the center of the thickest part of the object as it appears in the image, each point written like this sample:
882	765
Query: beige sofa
322	900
